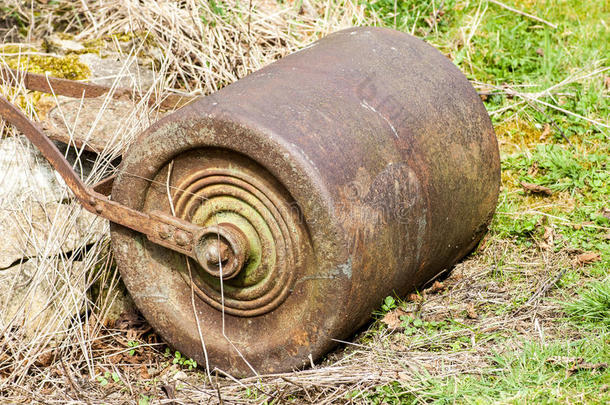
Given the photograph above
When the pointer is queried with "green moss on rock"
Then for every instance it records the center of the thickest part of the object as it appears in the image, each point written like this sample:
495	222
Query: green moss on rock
65	67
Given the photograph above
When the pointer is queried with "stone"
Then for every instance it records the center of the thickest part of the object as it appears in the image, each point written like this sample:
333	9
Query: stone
117	302
40	296
25	174
33	220
99	124
31	229
114	70
56	43
94	123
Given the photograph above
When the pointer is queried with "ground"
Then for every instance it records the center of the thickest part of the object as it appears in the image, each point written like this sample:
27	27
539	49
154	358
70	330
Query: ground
524	319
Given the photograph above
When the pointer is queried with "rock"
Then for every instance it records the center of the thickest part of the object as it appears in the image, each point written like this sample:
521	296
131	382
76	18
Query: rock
55	43
116	302
33	221
96	123
25	174
32	229
35	297
83	125
179	376
114	70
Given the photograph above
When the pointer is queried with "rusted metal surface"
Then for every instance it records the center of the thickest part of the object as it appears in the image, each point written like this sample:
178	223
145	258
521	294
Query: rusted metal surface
163	229
303	194
360	166
76	89
104	186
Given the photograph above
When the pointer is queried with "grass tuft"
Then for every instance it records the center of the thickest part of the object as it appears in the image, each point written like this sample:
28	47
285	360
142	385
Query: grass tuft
593	306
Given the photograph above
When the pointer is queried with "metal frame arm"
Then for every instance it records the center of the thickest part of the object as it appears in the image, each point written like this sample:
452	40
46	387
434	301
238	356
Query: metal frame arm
165	230
157	227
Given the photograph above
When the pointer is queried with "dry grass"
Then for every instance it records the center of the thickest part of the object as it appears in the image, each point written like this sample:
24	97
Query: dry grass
376	357
198	56
211	45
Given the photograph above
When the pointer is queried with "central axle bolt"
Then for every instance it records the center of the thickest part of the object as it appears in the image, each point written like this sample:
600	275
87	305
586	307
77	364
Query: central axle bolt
222	250
218	252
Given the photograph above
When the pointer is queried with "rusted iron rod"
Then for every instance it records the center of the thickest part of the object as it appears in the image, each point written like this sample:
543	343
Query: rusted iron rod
163	229
77	89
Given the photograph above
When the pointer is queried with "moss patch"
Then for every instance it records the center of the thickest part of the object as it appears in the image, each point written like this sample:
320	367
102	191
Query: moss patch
65	67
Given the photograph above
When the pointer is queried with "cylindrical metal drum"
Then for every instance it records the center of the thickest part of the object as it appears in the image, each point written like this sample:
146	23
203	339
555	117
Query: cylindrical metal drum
360	166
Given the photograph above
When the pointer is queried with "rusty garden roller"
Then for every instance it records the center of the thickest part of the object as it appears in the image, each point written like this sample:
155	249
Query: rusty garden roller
273	216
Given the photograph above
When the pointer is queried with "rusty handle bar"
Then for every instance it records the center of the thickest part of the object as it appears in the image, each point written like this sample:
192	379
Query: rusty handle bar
72	88
165	230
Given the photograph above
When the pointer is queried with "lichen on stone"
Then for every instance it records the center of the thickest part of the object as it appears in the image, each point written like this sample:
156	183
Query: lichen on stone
26	58
65	67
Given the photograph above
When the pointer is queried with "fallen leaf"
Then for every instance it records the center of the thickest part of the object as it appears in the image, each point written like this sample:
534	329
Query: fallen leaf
470	312
533	170
546	131
115	358
607	82
414	297
548	239
536	188
144	374
45	359
436	287
586	366
392	318
128	319
588	257
132	334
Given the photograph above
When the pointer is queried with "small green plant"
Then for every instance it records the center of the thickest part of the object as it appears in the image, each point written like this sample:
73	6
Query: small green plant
413	325
389	303
251	393
105	379
144	399
133	344
521	227
181	360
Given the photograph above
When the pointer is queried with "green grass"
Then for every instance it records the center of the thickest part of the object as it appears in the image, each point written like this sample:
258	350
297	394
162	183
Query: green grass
561	169
537	373
526	371
593	306
496	46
